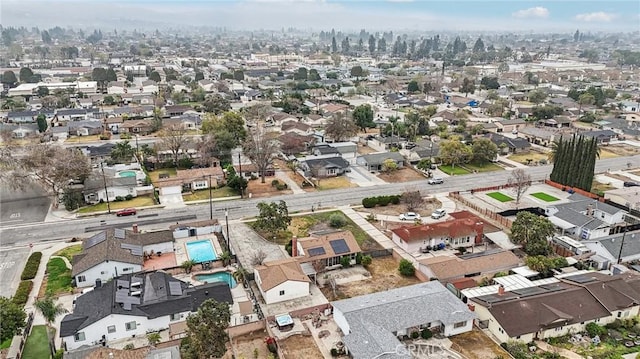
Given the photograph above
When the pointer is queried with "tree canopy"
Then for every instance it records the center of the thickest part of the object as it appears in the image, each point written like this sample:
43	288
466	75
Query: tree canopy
483	150
363	116
216	104
574	161
206	329
453	152
531	231
13	318
340	127
273	217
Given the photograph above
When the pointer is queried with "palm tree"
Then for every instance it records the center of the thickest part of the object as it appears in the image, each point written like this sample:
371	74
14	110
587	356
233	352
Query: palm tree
225	258
50	310
122	151
240	274
187	265
154	338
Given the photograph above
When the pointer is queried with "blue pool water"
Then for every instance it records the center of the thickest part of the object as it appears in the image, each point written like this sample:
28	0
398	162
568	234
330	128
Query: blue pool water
225	277
127	174
201	251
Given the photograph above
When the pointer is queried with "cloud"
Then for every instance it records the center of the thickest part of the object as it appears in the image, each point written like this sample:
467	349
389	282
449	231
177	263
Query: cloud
599	16
532	12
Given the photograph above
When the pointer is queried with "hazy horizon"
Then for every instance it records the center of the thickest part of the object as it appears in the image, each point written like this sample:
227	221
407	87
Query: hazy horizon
403	15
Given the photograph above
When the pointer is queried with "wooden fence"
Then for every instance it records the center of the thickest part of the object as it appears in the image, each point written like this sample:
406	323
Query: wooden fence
487	213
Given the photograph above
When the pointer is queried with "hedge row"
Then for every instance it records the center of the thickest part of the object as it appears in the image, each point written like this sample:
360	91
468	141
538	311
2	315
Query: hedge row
31	268
370	202
22	294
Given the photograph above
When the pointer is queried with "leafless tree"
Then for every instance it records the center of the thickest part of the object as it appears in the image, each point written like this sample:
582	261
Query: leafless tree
520	182
340	127
173	139
257	112
412	199
52	166
258	258
261	149
319	266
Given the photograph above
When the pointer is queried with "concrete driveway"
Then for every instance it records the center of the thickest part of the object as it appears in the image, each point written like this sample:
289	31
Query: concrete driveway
172	201
360	176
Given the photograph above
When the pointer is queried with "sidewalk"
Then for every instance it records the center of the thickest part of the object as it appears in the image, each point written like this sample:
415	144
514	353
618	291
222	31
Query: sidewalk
59	214
512	163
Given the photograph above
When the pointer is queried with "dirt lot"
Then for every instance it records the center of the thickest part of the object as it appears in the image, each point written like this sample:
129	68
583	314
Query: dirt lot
402	175
476	345
335	183
365	150
246	345
621	150
425	209
384	276
300	346
259	189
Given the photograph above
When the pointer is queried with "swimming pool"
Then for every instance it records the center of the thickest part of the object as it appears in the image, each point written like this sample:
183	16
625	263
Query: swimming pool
225	277
127	174
201	251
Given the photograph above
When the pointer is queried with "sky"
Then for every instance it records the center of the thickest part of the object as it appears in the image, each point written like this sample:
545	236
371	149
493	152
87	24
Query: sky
452	15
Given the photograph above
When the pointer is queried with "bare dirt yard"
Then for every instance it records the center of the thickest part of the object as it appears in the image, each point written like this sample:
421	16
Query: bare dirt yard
621	149
300	346
335	183
245	346
384	276
476	345
405	174
259	189
425	209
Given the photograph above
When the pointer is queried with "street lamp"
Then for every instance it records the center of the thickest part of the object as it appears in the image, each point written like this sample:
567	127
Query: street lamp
106	193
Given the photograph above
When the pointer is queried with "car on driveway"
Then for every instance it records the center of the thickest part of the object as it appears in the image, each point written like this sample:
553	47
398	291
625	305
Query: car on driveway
438	213
409	216
436	180
126	212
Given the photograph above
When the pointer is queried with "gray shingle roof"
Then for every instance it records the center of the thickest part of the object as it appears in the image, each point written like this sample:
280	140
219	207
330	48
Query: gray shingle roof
379	158
580	203
578	219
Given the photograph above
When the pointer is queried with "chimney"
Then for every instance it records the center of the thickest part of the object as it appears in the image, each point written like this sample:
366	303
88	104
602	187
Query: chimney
294	246
206	292
471	307
479	229
135	228
501	290
590	210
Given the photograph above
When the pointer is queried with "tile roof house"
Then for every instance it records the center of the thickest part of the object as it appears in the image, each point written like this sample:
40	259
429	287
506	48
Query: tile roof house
281	280
462	232
556	309
373	323
584	217
484	264
115	252
133	305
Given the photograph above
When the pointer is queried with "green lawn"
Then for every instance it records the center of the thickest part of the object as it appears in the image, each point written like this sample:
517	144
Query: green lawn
483	167
141	201
69	252
154	176
204	194
6	344
500	196
545	197
37	345
58	277
457	170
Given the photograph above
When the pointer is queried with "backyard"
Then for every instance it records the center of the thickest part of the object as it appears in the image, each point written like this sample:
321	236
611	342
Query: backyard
477	345
597	187
37	345
203	194
384	276
137	202
499	196
544	197
300	346
246	346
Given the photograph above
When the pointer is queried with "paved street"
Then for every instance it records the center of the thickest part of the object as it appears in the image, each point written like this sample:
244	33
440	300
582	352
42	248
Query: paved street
15	235
19	207
11	264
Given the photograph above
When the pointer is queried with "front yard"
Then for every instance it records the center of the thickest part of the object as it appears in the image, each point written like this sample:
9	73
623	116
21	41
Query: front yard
404	174
499	196
69	252
37	345
384	276
334	183
140	201
483	167
204	194
528	158
58	279
82	139
451	171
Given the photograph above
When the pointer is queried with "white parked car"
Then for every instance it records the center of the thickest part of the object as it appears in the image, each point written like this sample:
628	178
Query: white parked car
409	216
438	213
436	180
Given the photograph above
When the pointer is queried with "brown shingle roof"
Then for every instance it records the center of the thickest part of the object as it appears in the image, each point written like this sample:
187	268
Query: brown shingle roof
322	240
453	267
277	272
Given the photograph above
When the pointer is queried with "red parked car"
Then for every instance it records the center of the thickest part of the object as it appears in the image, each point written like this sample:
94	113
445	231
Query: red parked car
126	212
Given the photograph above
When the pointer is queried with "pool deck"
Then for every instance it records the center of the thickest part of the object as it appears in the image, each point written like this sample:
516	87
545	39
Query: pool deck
166	260
182	255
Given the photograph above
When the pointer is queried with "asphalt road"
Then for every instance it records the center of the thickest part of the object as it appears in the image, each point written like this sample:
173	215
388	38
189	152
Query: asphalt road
18	235
19	207
11	264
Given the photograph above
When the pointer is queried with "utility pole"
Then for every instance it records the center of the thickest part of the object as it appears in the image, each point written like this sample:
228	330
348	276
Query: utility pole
240	170
106	193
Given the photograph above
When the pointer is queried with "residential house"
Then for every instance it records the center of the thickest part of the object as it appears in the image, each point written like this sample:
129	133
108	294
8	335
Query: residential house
374	162
324	166
461	232
281	280
510	126
114	252
100	352
584	217
292	143
476	265
176	110
625	196
98	187
556	309
192	180
85	102
630	106
424	149
22	116
327	246
149	87
117	88
601	136
24	131
179	86
541	136
347	150
112	124
85	128
373	323
142	99
72	114
208	86
139	127
98	154
186	122
133	305
385	143
508	145
614	249
296	127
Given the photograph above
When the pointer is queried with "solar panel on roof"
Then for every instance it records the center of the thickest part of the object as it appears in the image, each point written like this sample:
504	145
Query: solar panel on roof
95	239
552	287
136	250
525	292
316	251
581	278
126	306
119	233
121	295
339	246
175	288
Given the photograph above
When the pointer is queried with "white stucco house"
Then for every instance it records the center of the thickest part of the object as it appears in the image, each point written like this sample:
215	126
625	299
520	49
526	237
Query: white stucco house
134	305
373	323
115	252
281	280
